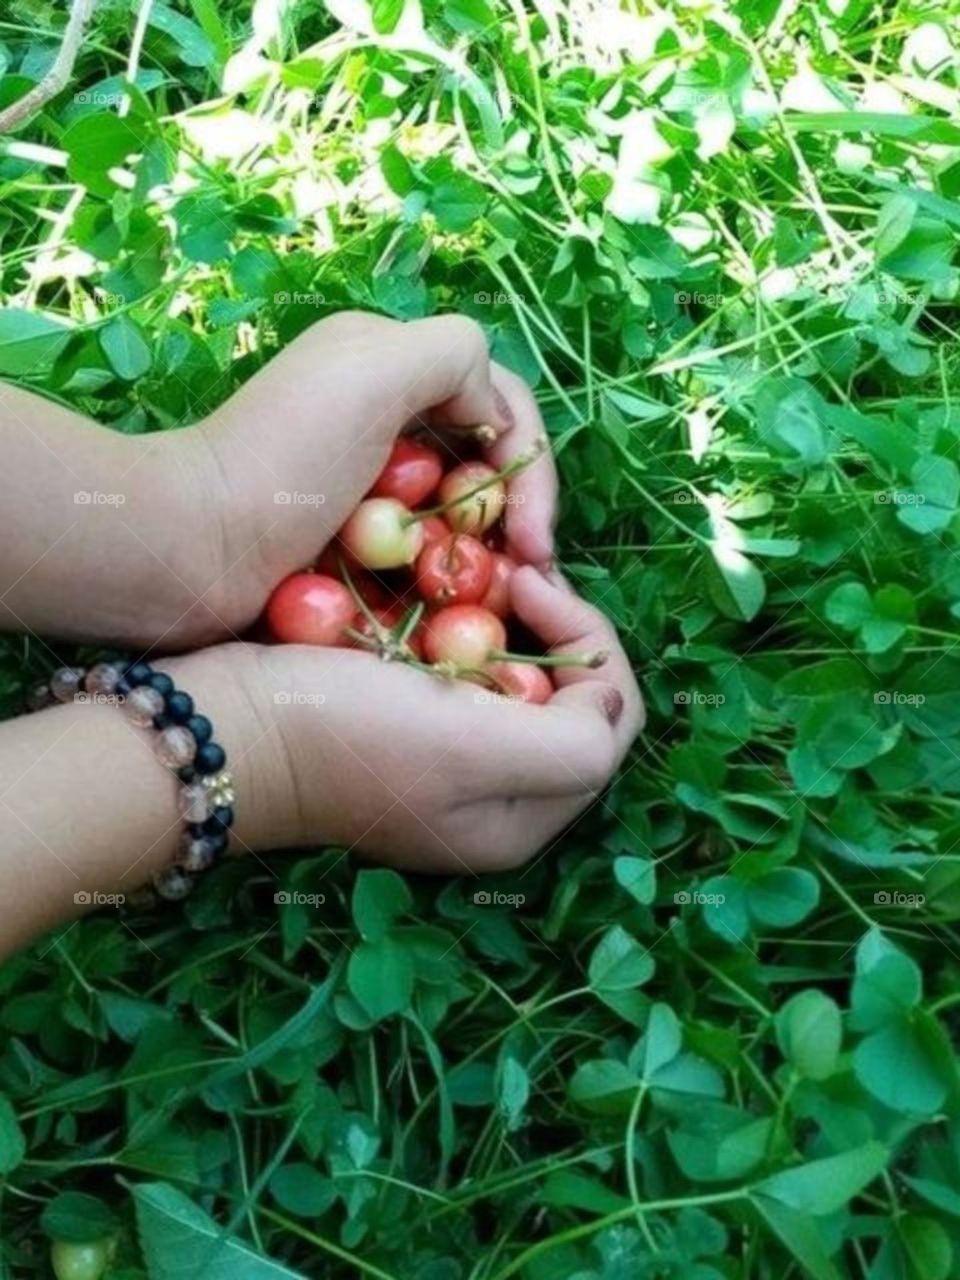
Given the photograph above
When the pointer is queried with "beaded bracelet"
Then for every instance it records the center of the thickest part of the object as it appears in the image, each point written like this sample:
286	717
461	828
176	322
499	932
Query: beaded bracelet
184	744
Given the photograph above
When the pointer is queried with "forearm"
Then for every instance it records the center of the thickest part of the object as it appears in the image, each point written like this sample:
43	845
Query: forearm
87	809
88	514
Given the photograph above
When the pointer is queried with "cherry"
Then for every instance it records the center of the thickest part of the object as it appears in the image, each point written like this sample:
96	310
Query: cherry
497	599
382	534
463	634
434	528
410	474
521	680
474	496
310	608
458	568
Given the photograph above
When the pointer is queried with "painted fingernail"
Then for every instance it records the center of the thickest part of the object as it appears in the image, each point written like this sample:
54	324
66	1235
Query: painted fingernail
612	705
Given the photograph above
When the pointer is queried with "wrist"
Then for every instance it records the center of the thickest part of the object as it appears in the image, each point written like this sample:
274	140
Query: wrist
227	685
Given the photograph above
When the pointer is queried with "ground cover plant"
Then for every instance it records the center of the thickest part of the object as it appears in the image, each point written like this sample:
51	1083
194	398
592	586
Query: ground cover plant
711	1032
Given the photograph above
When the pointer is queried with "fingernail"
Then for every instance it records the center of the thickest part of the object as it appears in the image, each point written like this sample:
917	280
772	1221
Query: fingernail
612	705
503	408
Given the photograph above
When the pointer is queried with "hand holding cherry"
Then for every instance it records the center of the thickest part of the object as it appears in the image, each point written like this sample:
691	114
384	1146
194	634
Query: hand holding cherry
441	558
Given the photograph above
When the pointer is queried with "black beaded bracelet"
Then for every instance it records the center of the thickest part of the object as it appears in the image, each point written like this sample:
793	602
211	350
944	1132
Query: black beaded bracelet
184	744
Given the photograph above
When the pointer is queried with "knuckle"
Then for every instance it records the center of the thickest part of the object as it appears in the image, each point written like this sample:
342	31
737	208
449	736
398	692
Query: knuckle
464	336
346	326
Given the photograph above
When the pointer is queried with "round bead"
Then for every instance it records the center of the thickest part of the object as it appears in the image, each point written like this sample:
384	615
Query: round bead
178	706
161	682
162	721
197	853
173	883
187	775
138	673
123	687
176	746
210	758
195	804
200	727
142	704
39	697
65	683
220	820
102	679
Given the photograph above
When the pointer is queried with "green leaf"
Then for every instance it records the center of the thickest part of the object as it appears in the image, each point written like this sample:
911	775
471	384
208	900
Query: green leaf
619	963
78	1218
810	1033
180	1241
736	584
932	503
380	898
825	1186
784	897
887	983
907	1065
126	348
301	1190
637	876
662	1039
12	1143
29	341
602	1080
97	143
380	977
802	1236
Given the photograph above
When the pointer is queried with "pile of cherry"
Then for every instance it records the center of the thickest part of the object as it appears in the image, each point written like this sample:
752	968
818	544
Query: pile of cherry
419	574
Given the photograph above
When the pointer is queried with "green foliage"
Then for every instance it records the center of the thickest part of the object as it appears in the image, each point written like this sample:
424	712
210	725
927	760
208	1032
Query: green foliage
712	1033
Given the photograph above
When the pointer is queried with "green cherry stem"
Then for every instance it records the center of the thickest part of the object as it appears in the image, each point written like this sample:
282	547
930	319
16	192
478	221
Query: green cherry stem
519	463
589	660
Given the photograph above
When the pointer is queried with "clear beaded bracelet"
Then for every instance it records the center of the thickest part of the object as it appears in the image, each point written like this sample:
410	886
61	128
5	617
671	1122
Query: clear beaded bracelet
184	744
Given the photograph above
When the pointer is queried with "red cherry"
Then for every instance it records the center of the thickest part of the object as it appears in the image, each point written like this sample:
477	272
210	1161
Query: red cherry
434	528
497	599
410	474
483	508
310	608
463	634
521	680
381	535
456	569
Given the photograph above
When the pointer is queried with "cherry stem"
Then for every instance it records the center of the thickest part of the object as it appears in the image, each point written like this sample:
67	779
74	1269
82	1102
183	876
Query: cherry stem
519	463
589	660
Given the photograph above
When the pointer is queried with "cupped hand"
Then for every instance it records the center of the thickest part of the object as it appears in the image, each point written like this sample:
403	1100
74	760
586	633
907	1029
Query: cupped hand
288	457
399	764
